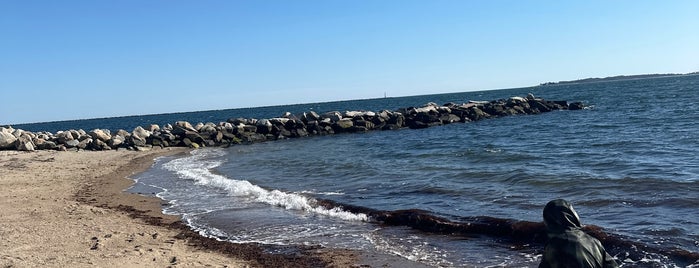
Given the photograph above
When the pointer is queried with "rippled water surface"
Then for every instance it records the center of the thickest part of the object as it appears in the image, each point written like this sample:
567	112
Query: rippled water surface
629	165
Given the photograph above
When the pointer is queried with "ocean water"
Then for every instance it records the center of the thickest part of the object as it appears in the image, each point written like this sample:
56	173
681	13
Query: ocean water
629	164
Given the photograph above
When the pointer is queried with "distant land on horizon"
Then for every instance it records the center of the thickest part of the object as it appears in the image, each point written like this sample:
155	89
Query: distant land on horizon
615	78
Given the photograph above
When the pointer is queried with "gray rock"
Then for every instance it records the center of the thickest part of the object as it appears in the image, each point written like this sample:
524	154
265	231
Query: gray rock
474	114
300	132
7	140
228	126
238	121
189	143
198	126
76	135
44	136
345	123
194	137
153	128
249	128
333	116
353	114
218	137
208	129
99	134
71	143
123	133
250	137
181	127
24	143
264	126
397	119
99	145
539	105
576	106
311	116
141	133
17	133
64	137
449	118
185	125
116	141
364	123
84	144
46	145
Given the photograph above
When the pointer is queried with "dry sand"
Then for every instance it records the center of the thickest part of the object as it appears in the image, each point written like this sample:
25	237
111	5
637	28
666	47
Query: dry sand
43	223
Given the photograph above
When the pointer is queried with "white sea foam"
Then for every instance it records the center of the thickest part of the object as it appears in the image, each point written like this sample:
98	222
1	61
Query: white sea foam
197	167
322	193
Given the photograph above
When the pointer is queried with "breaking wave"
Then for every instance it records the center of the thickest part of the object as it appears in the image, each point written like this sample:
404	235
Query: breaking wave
197	167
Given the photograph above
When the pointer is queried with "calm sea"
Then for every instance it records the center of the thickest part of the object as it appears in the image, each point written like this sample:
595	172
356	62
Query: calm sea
630	165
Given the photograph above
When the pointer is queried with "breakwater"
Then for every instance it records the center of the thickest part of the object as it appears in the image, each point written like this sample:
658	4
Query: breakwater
251	130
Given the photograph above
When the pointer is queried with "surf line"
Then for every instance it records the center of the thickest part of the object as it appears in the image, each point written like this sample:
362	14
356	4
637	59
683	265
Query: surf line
514	232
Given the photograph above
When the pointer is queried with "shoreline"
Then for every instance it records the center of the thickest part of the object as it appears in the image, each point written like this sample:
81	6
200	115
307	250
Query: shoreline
72	207
45	225
112	194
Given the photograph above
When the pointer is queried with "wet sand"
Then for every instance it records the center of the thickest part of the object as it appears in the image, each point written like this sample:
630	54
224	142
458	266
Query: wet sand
69	209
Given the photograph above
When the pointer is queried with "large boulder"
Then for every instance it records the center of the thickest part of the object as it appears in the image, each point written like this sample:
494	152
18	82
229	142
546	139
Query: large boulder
264	126
539	106
449	118
333	116
474	113
397	119
99	145
198	126
141	133
343	125
153	128
42	144
181	127
102	135
137	141
123	133
576	106
116	141
84	144
71	143
208	129
251	137
7	140
310	116
24	143
364	123
194	137
62	137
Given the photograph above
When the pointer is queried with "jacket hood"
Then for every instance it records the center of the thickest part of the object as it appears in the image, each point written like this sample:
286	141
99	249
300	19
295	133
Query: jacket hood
559	216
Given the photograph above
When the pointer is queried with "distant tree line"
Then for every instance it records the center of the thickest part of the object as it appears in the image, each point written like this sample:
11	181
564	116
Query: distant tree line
616	78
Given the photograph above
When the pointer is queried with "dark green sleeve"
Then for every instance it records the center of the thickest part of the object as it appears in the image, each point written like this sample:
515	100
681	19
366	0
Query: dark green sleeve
609	262
547	258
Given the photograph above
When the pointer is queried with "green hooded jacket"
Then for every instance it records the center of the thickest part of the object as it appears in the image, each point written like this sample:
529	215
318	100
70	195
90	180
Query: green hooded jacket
568	246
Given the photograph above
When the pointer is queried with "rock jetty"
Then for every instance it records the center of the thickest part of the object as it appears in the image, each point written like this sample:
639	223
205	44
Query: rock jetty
250	130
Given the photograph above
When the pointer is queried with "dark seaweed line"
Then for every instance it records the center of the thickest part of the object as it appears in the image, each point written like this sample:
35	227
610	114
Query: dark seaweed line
515	232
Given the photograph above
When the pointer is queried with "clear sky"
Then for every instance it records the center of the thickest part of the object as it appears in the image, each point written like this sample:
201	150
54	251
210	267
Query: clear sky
71	59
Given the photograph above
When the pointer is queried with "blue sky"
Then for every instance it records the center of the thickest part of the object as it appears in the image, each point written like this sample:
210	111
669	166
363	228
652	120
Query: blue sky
64	60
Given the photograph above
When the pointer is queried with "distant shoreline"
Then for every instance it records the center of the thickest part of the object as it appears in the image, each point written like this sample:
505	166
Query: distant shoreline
616	78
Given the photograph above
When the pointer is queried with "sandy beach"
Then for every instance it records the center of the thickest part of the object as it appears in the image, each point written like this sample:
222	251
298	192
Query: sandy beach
68	209
48	220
